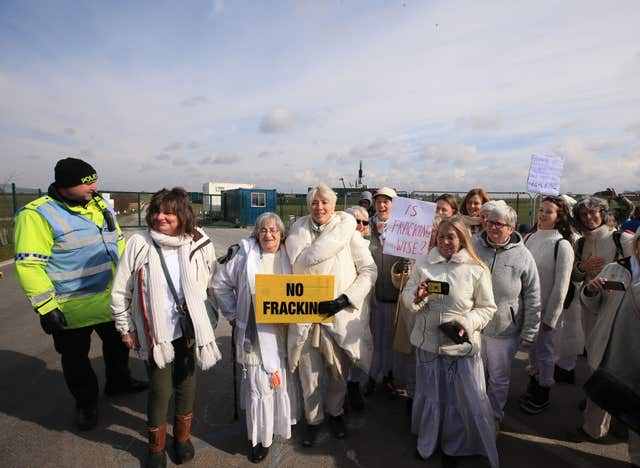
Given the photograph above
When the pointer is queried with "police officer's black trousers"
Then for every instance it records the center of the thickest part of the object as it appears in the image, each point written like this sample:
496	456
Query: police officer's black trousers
73	346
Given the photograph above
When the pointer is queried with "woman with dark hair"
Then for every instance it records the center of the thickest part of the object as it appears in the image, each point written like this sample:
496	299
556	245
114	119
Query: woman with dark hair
613	350
551	247
470	208
451	407
446	205
260	347
158	305
601	244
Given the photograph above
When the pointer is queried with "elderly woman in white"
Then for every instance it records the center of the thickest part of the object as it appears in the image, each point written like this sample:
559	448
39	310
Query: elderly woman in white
327	243
260	347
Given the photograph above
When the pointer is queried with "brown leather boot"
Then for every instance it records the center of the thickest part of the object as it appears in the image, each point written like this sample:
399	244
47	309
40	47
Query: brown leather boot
181	441
157	458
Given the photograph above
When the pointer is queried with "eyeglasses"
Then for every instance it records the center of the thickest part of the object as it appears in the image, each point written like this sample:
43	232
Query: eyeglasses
496	224
273	232
364	223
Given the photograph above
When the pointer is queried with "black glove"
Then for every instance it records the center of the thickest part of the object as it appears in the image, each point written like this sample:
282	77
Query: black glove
53	321
403	265
331	308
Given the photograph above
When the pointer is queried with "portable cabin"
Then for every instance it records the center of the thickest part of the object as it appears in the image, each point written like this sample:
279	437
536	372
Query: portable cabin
243	206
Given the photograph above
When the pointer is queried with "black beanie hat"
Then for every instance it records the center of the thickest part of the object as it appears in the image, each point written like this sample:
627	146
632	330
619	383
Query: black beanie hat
70	172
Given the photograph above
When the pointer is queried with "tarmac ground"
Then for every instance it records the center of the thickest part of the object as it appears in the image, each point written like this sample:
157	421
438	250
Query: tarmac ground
37	413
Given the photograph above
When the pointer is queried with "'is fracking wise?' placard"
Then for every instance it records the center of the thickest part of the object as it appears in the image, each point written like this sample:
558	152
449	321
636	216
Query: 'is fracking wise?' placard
292	298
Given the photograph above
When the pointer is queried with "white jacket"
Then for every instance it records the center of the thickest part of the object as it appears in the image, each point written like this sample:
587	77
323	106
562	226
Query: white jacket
133	272
338	250
232	288
469	302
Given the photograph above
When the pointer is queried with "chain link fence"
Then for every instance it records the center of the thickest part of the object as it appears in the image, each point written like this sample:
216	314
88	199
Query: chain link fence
131	206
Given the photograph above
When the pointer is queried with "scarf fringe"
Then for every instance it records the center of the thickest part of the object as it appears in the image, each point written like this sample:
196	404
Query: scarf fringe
163	353
208	355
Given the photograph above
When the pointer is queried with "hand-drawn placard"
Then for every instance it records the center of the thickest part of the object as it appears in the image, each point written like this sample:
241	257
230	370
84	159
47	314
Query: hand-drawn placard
545	173
409	228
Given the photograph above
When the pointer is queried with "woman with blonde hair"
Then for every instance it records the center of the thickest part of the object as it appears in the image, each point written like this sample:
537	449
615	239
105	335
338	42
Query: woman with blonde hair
450	291
326	243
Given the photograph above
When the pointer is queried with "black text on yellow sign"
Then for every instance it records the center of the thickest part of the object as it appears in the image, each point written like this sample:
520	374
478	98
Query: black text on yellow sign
292	298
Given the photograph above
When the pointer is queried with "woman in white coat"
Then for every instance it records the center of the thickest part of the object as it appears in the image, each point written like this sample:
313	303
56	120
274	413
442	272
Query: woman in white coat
550	245
260	348
451	406
327	243
166	320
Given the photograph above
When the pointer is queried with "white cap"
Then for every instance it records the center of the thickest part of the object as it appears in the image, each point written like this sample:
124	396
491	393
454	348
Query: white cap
387	192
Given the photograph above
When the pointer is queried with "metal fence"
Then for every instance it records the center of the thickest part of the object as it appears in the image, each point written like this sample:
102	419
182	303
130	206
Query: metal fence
131	206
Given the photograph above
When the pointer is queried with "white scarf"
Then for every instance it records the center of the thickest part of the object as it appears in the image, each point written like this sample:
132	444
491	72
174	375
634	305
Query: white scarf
267	333
207	352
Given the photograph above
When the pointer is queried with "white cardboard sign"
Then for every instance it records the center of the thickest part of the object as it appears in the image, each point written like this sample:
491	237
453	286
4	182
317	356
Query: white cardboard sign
545	173
409	228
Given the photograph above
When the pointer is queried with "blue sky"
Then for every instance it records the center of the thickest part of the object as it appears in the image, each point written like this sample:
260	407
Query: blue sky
429	95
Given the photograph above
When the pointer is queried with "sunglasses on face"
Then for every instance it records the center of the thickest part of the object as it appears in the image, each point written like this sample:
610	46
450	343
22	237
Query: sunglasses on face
364	223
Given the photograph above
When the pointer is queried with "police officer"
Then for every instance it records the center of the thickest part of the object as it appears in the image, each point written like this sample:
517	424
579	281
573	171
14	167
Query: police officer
67	245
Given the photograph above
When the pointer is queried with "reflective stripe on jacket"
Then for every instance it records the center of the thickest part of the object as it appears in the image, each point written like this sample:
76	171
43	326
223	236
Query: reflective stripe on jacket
65	258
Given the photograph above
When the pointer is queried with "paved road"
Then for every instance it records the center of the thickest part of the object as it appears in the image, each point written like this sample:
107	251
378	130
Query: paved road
36	414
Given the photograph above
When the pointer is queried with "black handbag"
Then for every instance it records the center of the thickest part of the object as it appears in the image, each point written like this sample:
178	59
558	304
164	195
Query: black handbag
186	324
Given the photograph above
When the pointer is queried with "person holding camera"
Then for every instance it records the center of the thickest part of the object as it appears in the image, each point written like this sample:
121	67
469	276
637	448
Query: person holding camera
450	291
516	290
600	245
613	349
67	245
158	304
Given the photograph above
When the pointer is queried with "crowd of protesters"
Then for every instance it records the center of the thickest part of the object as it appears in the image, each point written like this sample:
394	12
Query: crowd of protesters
441	331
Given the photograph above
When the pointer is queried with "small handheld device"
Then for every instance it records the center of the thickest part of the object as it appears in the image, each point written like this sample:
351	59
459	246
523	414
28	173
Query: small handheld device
438	287
614	285
452	331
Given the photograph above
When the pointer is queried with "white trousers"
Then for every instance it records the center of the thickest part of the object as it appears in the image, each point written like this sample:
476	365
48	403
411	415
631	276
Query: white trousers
497	355
542	358
313	371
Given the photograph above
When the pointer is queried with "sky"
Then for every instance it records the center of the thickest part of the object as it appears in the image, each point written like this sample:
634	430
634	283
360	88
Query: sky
429	95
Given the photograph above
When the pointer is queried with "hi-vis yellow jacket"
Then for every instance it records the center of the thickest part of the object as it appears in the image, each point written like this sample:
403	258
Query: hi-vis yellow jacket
65	257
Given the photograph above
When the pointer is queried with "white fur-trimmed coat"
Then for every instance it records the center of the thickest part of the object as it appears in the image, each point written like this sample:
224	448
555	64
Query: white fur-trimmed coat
341	251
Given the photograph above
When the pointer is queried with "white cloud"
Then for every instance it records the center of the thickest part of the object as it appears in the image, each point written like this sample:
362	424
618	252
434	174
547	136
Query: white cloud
277	120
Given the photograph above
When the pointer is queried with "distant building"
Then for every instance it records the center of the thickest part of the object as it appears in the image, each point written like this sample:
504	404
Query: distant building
212	194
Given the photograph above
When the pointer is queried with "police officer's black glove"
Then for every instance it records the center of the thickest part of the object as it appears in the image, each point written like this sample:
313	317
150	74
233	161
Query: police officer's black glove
331	308
53	321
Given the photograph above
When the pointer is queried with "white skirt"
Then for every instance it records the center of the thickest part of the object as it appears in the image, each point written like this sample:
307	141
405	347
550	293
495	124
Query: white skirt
269	410
451	407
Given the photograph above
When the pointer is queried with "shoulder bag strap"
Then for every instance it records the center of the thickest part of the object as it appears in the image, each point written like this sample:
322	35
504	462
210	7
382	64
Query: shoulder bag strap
168	278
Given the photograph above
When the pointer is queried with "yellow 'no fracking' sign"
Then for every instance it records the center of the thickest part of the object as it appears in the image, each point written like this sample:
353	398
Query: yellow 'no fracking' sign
292	298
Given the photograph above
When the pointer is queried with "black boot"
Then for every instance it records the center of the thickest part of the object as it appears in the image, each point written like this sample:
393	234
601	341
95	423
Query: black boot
564	376
309	435
258	453
355	397
537	402
337	426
